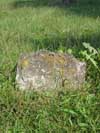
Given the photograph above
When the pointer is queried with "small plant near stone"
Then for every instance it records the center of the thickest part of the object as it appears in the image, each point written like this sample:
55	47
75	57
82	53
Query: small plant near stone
90	54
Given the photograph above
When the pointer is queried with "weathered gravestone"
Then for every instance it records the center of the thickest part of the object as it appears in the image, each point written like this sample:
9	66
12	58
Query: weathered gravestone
48	70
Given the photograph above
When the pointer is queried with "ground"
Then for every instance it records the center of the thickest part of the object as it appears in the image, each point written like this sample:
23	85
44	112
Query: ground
27	26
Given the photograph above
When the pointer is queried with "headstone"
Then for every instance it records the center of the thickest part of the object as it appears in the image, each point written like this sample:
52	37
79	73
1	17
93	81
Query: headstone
49	70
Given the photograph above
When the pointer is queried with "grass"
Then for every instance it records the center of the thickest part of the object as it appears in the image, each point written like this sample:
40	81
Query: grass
27	26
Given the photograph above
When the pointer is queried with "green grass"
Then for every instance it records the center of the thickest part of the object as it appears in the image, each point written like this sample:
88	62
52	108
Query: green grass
27	26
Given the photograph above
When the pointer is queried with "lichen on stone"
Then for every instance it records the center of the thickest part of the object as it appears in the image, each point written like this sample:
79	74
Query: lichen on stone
49	70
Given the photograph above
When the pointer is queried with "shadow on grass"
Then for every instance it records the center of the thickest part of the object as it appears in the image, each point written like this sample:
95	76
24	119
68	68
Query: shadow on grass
37	3
64	43
89	8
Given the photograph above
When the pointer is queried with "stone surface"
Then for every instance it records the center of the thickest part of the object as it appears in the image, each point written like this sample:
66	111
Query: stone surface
49	70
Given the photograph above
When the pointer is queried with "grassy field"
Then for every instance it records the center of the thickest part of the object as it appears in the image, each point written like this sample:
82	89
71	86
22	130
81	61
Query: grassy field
30	25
